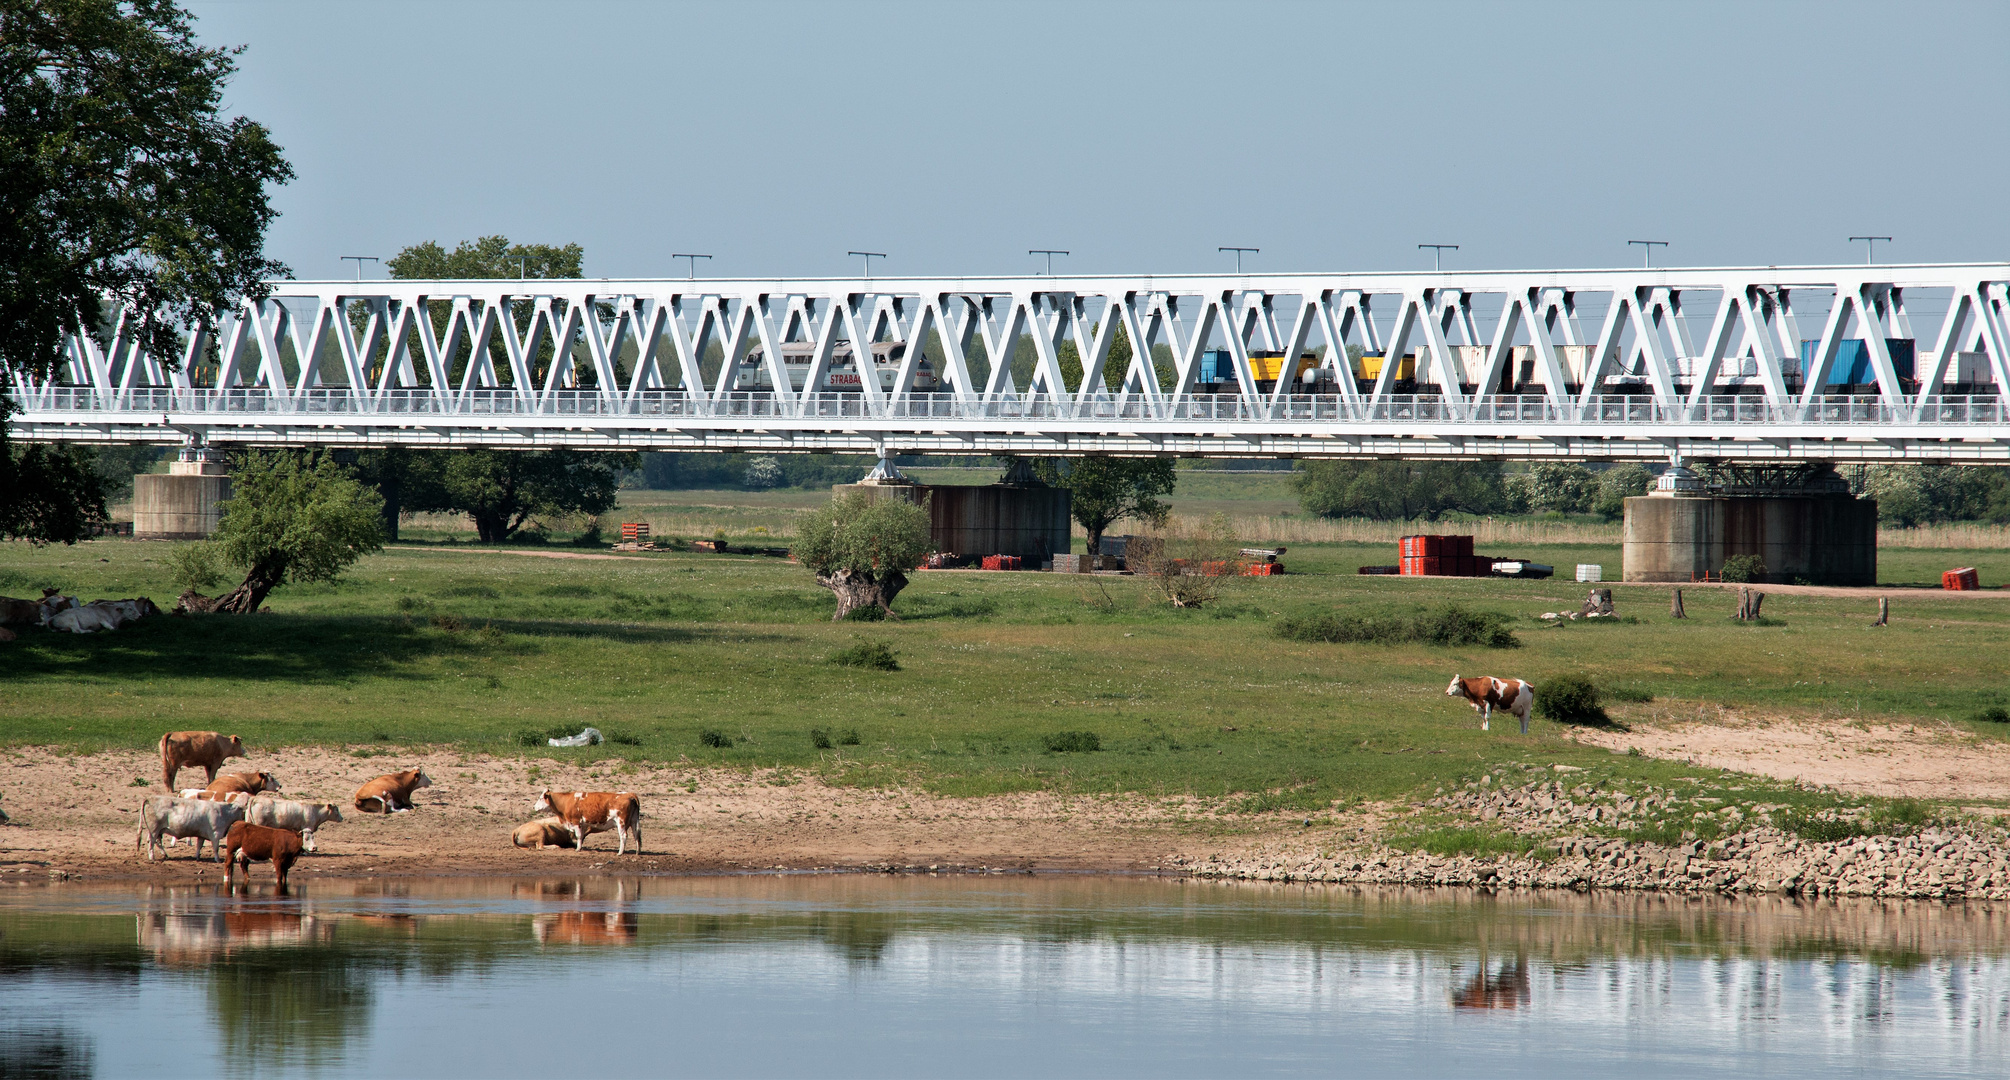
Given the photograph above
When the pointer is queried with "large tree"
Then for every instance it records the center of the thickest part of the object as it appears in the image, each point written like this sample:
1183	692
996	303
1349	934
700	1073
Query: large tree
290	518
1399	490
502	490
122	186
861	549
1105	490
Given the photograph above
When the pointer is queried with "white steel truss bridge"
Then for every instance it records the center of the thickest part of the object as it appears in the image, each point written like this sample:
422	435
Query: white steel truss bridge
1838	363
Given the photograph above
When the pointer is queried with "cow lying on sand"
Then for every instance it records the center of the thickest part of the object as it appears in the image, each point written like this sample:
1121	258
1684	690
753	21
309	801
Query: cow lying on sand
205	750
299	817
165	815
543	833
391	793
584	813
247	843
1487	693
239	783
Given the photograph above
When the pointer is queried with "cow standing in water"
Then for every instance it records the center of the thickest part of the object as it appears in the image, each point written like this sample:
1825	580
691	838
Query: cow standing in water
1486	693
247	843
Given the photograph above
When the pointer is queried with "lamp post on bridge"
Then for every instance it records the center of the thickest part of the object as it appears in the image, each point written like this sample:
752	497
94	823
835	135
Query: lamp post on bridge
1870	255
1049	253
1438	255
869	256
692	263
1649	245
1238	255
359	260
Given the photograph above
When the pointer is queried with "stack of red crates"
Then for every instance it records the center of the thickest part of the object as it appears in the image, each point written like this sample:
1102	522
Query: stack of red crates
1440	556
1962	580
633	531
1002	562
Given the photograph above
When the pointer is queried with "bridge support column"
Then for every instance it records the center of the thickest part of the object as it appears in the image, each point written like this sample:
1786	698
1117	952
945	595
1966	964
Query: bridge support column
1684	531
183	504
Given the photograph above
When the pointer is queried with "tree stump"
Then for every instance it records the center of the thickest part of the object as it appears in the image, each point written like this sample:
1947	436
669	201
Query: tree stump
1749	602
1598	603
1675	606
1883	611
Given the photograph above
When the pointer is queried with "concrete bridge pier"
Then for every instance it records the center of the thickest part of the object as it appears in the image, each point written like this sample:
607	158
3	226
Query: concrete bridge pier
184	503
1801	521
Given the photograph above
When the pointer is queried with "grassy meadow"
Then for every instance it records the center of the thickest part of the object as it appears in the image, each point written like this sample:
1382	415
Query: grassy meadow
725	660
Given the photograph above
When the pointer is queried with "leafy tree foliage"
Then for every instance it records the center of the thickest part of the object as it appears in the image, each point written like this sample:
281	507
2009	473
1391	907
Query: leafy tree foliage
50	494
1619	483
502	490
861	549
1105	490
291	518
1559	487
1399	490
493	257
1912	495
121	186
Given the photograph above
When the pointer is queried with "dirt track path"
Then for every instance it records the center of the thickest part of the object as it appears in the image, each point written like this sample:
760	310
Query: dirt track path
1892	760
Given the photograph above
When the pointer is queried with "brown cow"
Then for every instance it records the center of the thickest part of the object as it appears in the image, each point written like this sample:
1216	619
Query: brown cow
246	843
191	749
246	783
1487	693
543	833
587	812
391	793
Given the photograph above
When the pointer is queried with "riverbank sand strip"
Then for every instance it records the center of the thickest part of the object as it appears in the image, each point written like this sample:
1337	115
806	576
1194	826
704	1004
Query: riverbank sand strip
73	816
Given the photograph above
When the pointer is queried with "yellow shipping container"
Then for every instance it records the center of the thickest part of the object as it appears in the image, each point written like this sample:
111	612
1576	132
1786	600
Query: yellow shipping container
1266	366
1371	367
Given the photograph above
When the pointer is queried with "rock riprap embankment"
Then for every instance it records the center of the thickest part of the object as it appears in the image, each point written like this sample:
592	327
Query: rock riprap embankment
1583	837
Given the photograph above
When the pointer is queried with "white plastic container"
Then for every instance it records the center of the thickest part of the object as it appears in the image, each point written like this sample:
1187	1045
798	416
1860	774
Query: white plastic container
1590	571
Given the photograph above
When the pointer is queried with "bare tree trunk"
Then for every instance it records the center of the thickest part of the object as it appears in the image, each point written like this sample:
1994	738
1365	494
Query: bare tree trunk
1675	606
854	591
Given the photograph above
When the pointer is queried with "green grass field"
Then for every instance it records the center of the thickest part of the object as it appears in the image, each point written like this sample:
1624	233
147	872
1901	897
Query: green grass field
443	645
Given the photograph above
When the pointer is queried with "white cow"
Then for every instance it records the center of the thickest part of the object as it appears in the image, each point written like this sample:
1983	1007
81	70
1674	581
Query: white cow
101	615
302	818
165	815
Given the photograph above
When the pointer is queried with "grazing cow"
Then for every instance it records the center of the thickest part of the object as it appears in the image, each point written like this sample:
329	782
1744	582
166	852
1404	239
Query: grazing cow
1487	693
192	749
165	815
543	833
248	783
391	793
247	843
300	817
587	812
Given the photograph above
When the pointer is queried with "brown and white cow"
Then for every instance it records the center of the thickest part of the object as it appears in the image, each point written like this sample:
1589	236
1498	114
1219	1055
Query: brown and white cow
246	783
247	843
391	793
1486	693
299	817
587	812
196	749
167	816
543	833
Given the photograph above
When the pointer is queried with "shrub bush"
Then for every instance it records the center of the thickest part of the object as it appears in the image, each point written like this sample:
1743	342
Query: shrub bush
866	613
1073	742
1446	625
717	740
820	738
1628	693
866	654
1995	714
848	737
1744	569
1569	699
1813	827
195	566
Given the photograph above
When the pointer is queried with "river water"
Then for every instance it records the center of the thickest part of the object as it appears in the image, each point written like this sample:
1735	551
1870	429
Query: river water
865	975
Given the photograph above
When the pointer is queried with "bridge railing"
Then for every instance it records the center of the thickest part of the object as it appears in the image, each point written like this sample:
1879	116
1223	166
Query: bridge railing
1505	409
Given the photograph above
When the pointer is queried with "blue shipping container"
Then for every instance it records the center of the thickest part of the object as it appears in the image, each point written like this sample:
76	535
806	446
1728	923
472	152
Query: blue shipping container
1215	366
1853	366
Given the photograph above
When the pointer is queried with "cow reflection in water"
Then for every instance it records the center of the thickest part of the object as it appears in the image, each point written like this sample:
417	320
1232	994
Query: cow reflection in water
180	938
1503	989
614	926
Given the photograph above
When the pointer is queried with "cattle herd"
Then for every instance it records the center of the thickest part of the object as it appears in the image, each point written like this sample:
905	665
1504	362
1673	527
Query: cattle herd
244	822
66	613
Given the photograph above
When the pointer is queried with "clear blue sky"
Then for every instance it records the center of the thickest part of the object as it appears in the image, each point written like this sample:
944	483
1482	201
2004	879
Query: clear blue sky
955	136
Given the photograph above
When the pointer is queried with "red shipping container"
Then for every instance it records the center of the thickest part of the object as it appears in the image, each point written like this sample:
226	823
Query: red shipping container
1962	580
